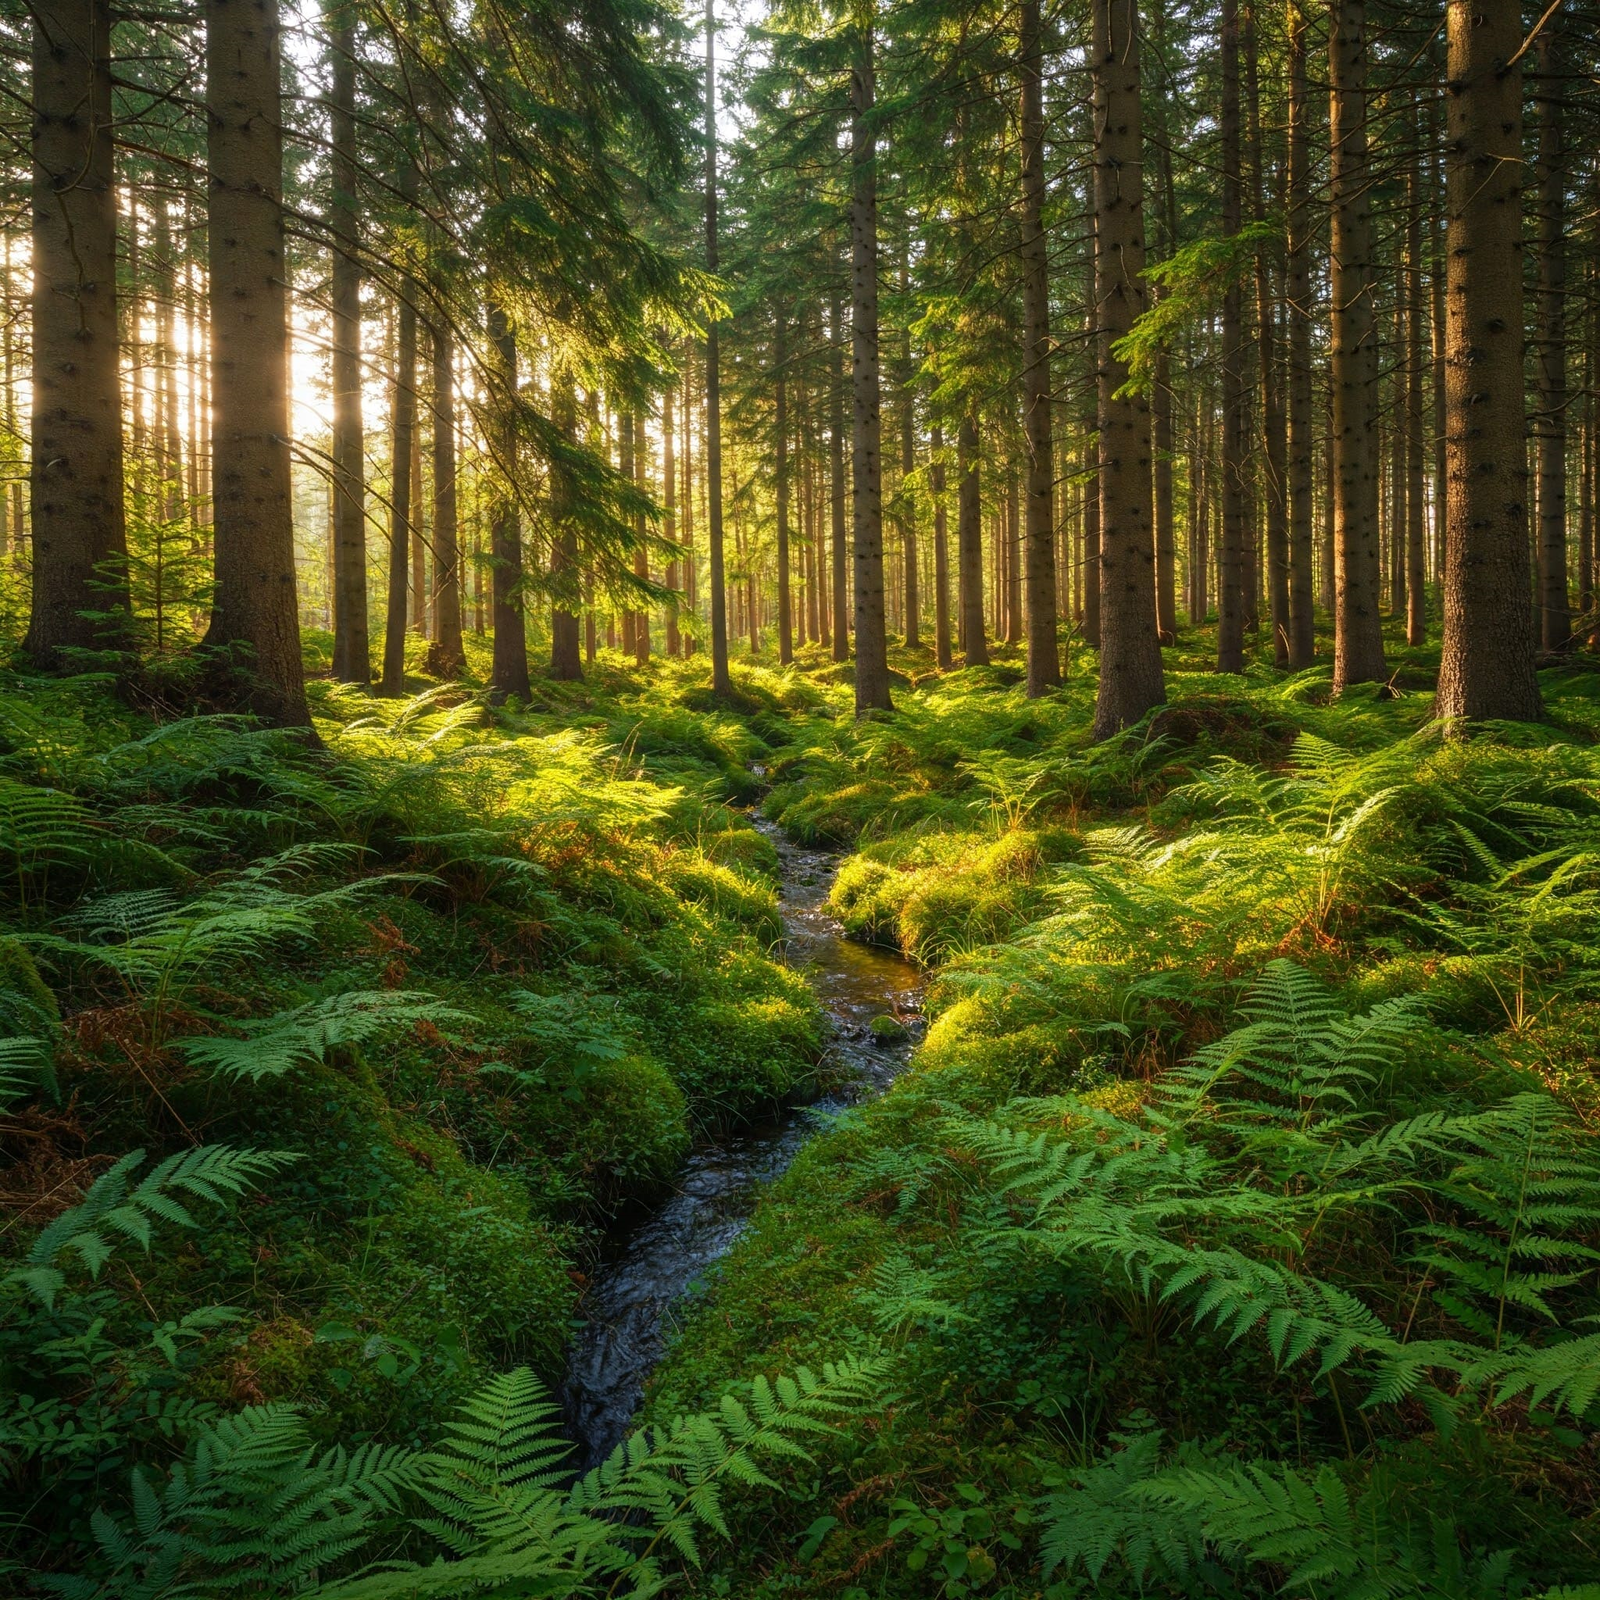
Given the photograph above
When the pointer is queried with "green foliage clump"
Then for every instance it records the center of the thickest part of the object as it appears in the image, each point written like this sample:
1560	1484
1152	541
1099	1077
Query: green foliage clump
944	893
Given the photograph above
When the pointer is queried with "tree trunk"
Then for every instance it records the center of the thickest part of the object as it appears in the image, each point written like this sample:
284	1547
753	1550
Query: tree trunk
1231	598
836	485
1130	646
565	663
1416	487
641	552
403	416
1272	418
780	407
691	589
721	683
79	544
908	465
1013	559
1487	669
941	556
872	645
1161	394
669	503
448	658
1044	653
1555	613
351	651
255	619
509	672
1358	621
969	543
1302	634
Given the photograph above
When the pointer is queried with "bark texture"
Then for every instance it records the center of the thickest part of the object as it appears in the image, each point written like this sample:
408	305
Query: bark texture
1297	273
76	476
448	655
780	408
1487	668
866	467
721	683
1358	620
941	554
1130	647
1044	655
403	423
352	662
969	543
1231	556
508	674
255	618
1555	609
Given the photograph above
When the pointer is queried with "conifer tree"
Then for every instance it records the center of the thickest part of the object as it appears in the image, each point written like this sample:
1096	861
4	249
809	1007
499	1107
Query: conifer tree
79	544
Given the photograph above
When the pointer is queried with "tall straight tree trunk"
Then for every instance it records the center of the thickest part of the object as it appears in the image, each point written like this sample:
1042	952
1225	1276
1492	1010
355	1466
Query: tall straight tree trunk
721	683
1013	560
941	555
1272	418
628	470
1358	620
1555	613
352	661
565	645
1161	395
641	552
168	434
255	618
872	644
449	658
1416	313
420	608
969	543
1130	646
76	475
403	422
509	672
690	577
1487	669
669	506
908	465
1589	458
1437	273
1044	653
836	488
781	430
1297	465
1231	596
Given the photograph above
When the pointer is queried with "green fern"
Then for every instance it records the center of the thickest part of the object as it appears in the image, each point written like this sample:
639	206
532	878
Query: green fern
116	1205
498	1509
275	1045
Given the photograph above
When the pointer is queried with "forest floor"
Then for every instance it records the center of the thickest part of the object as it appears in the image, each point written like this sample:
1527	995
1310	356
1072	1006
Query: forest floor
1244	1173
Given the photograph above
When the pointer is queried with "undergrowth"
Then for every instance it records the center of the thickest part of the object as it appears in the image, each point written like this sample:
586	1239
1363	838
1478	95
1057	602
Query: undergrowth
1234	1232
1238	1221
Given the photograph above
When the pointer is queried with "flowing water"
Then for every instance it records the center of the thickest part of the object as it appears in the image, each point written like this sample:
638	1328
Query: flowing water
632	1301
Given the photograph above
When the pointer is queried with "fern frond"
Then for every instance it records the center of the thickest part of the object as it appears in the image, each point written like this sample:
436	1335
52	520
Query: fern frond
278	1044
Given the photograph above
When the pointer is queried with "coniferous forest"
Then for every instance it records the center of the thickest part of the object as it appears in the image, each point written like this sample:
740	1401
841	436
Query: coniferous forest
800	799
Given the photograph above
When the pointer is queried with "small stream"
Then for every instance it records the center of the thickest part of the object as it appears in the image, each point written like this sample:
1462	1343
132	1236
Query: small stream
632	1301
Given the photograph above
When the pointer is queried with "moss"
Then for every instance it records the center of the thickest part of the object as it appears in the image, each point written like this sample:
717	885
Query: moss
726	893
629	1131
940	893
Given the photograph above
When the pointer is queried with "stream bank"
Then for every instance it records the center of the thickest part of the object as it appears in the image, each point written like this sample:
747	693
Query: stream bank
631	1302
